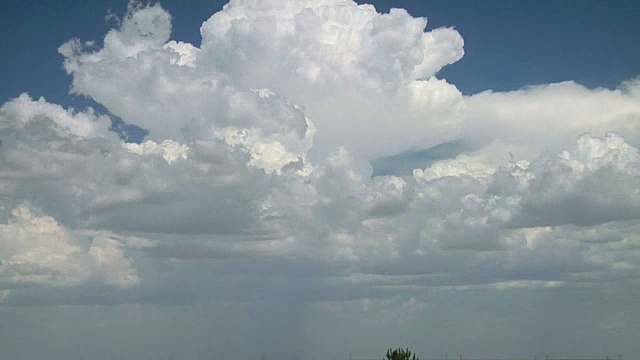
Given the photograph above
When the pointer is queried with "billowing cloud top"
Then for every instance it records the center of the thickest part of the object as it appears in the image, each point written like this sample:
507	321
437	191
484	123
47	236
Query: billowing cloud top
257	161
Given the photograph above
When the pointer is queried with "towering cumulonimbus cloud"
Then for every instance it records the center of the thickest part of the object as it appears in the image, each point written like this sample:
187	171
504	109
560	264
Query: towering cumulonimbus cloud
318	46
257	161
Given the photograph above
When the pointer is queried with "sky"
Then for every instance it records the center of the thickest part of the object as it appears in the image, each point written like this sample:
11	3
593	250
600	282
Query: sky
310	179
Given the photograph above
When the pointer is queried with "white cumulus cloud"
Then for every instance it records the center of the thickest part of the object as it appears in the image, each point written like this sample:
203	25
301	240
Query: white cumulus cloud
258	162
37	250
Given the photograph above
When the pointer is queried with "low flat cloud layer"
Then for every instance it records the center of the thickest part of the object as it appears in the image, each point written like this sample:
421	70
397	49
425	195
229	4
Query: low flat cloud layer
253	189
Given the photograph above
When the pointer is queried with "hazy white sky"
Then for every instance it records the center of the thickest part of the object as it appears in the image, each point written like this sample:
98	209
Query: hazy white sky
248	220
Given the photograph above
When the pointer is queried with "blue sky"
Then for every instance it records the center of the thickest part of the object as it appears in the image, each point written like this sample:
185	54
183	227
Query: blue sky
318	179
